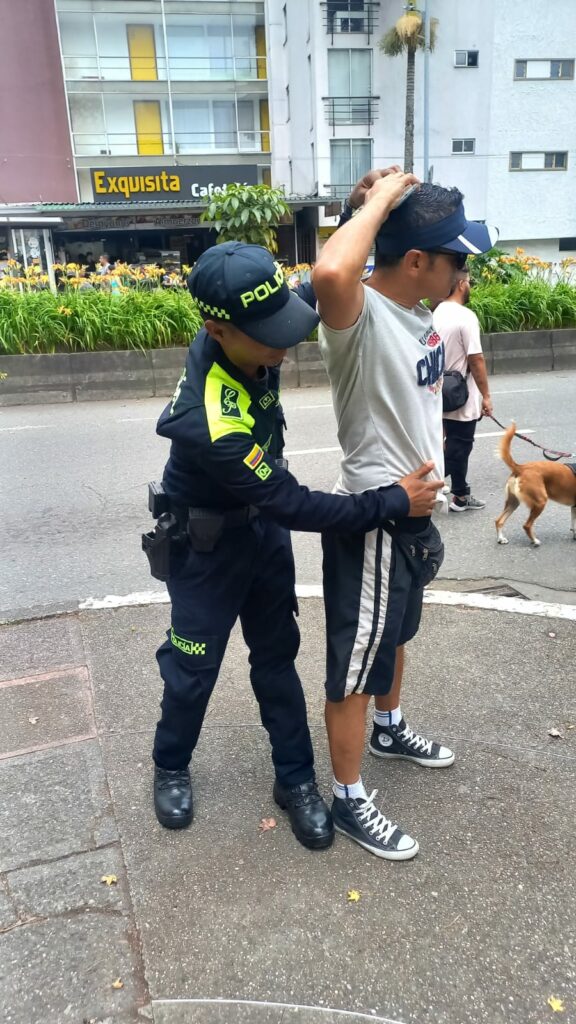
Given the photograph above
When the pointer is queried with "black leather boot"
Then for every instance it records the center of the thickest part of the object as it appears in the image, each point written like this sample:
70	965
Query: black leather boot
310	818
173	797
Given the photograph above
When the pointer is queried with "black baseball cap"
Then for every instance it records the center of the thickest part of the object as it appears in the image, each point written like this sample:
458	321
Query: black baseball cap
245	285
454	233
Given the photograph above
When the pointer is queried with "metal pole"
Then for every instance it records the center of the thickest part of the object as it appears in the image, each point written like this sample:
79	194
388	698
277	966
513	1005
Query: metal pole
169	84
49	253
426	91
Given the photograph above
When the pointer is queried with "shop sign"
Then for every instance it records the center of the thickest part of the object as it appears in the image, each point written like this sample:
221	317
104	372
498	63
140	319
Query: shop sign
144	184
133	222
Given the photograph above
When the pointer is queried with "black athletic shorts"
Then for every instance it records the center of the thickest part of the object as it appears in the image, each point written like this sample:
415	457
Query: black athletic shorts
372	607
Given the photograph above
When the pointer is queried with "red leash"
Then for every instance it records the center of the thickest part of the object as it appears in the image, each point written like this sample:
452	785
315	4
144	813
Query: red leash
549	453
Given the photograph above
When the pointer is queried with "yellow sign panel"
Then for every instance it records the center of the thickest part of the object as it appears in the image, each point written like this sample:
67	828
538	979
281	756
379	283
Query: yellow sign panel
148	122
142	50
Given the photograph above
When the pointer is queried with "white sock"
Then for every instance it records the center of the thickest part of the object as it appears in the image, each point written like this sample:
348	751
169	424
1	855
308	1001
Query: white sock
388	717
356	791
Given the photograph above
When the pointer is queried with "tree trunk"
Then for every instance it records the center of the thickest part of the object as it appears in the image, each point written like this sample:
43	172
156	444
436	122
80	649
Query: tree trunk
409	119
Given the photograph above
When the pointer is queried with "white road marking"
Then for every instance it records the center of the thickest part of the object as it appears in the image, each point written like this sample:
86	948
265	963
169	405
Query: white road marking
324	405
500	433
41	426
519	391
490	602
312	451
350	1014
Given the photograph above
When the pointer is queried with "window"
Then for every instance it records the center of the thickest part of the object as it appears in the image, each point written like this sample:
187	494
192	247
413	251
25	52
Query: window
543	69
566	244
463	145
350	159
539	161
347	16
349	86
465	58
212	124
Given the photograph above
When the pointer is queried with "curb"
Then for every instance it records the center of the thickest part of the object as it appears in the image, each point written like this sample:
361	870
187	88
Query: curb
99	376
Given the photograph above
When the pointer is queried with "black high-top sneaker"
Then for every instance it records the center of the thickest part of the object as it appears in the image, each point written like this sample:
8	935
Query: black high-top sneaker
399	741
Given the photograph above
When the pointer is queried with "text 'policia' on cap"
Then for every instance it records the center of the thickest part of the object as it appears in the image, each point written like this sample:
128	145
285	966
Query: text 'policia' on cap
243	285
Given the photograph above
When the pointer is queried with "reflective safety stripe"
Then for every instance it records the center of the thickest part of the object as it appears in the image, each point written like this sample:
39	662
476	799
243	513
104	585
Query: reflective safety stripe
227	404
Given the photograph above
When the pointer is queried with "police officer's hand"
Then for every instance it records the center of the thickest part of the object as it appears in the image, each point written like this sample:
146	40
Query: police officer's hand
358	193
421	493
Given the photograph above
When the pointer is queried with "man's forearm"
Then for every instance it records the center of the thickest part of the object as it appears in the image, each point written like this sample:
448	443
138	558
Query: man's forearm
477	367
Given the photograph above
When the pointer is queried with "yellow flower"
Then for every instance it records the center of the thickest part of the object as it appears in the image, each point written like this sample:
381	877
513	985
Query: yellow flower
65	310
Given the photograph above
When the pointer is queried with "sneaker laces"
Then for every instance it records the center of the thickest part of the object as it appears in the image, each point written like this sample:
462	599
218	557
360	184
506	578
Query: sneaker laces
377	823
419	743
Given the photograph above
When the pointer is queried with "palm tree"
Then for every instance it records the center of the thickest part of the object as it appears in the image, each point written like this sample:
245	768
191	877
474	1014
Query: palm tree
407	35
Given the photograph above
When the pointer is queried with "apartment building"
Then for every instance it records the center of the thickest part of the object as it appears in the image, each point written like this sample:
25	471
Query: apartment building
127	114
502	123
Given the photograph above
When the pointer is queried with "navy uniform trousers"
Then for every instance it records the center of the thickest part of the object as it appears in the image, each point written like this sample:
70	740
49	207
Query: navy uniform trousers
250	574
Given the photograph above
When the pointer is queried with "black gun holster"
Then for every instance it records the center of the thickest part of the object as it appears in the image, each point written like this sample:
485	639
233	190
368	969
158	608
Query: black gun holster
158	543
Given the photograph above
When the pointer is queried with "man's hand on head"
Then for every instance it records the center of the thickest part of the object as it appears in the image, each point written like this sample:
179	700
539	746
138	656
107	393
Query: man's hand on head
358	193
391	188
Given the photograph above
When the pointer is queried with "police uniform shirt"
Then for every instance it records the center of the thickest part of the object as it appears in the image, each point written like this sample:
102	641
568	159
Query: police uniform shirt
226	433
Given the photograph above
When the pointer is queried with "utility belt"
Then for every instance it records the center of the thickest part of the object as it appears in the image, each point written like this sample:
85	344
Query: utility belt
179	526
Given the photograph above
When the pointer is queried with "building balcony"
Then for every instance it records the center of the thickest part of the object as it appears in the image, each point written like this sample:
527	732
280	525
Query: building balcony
130	143
347	110
349	17
101	68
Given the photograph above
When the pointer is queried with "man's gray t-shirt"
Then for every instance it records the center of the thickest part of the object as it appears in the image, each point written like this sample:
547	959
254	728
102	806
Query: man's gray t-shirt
386	377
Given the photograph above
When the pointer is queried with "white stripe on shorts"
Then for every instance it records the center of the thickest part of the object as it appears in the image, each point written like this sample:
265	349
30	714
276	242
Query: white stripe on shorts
368	611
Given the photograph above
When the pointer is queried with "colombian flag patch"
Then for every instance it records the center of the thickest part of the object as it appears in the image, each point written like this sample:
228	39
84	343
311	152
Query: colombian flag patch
254	457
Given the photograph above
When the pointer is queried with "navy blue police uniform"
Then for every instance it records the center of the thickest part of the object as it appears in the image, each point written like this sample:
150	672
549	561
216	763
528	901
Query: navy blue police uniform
229	487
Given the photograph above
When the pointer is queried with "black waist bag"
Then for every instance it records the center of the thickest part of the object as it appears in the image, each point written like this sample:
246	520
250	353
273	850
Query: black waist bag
454	391
423	552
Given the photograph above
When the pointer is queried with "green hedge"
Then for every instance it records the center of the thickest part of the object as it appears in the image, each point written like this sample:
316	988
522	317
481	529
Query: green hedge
35	322
524	305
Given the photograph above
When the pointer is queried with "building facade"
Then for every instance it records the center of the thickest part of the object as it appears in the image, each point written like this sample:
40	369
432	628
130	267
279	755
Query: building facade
129	113
502	98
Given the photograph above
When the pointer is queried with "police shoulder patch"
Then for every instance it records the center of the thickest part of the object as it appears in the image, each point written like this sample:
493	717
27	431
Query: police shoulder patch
254	457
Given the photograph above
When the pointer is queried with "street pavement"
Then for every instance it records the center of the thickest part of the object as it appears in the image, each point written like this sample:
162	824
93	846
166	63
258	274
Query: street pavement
224	923
73	495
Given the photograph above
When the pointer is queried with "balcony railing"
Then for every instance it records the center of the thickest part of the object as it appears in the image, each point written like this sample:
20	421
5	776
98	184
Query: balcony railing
345	110
130	144
349	17
337	191
101	67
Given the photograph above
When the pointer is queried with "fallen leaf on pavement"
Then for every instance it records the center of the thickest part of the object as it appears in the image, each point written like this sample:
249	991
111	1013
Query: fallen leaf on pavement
353	896
266	824
555	733
33	721
552	634
109	879
556	1004
118	983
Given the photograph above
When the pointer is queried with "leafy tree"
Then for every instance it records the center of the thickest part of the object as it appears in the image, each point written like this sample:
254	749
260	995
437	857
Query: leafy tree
247	213
407	36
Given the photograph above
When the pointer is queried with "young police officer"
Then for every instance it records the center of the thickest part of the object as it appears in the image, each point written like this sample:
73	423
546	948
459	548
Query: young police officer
234	500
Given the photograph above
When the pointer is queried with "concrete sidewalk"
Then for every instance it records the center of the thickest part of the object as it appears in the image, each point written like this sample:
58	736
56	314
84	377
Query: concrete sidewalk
480	927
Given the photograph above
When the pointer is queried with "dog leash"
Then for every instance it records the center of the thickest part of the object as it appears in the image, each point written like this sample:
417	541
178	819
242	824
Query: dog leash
549	453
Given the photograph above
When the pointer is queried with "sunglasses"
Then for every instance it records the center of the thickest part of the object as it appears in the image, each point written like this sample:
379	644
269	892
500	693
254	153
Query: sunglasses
458	257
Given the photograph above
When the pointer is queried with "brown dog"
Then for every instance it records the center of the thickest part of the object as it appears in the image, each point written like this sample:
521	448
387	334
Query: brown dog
534	483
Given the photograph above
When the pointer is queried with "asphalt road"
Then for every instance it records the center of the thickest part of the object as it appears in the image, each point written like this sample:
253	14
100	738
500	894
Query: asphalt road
73	496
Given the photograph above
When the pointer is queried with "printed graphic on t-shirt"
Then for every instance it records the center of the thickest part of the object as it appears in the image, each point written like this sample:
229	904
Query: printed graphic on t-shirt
430	369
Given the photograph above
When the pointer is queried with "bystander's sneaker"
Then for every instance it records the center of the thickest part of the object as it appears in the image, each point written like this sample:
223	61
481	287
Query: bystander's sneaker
361	821
399	741
467	503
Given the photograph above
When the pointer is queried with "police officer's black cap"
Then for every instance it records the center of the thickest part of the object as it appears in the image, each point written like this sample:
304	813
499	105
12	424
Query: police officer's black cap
243	285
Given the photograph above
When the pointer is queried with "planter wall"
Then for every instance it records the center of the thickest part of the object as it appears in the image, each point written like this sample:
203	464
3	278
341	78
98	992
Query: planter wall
90	376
